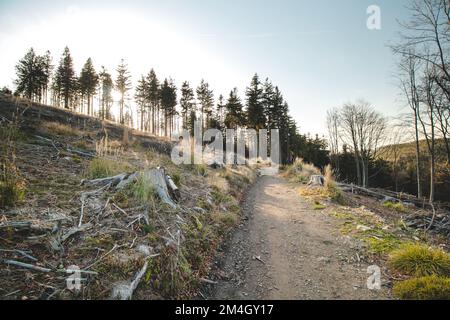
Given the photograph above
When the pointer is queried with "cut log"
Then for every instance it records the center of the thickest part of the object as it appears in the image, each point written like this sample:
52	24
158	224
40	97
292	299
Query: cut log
125	182
157	179
316	180
172	187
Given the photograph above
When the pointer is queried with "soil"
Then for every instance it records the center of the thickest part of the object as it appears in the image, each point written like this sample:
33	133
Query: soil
284	249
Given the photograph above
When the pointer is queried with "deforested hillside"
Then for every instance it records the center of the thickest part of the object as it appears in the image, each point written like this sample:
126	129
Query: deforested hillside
92	210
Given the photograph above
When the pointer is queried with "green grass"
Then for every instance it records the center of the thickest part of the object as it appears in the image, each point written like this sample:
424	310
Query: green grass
103	167
11	193
318	206
143	190
382	244
399	207
423	288
420	260
200	169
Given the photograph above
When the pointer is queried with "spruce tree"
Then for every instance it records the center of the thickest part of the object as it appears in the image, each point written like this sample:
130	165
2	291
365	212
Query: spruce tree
234	111
33	76
205	99
220	112
27	76
168	104
187	103
88	84
123	85
153	98
256	117
106	99
141	101
66	80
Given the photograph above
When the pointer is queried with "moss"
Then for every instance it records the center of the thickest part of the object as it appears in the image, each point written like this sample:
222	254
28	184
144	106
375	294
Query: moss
423	288
420	260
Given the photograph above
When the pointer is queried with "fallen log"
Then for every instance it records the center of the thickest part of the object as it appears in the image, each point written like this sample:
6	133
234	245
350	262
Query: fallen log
124	291
27	266
112	181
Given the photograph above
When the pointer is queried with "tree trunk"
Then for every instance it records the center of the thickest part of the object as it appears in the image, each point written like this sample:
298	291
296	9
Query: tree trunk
419	189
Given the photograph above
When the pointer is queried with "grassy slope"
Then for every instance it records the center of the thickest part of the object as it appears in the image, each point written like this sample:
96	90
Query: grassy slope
209	208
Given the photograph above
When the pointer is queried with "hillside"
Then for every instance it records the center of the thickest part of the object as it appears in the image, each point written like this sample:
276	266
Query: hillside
123	239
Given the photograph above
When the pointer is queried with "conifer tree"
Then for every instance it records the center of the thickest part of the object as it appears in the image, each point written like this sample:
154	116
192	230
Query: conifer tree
153	98
106	99
187	104
123	85
168	103
65	82
234	111
88	85
141	101
256	117
205	99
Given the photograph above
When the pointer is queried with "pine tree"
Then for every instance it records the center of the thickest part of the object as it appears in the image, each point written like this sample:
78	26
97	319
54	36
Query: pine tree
256	117
141	101
153	98
220	112
187	104
168	104
26	75
123	85
268	98
33	75
106	99
205	99
65	82
88	84
234	111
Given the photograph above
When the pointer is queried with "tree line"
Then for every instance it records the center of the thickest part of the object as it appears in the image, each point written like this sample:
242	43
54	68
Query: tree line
358	134
157	104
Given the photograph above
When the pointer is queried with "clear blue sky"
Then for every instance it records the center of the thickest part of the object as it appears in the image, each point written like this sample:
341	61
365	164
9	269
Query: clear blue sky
320	53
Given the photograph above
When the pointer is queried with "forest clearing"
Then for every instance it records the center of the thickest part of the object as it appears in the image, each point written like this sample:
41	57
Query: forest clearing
226	155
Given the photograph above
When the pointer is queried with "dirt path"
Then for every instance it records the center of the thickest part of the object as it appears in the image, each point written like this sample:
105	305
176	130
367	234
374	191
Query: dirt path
286	250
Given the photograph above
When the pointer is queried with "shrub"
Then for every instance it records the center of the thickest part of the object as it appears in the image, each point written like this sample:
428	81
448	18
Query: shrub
420	260
423	288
